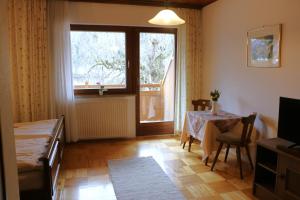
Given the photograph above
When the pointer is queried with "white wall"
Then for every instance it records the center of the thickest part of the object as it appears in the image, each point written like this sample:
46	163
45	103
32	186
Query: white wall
6	123
245	90
111	14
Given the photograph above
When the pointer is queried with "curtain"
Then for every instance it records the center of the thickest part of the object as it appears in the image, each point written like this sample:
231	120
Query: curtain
63	100
29	59
188	80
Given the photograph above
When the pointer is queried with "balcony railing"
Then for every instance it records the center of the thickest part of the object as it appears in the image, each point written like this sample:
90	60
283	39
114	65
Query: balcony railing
151	102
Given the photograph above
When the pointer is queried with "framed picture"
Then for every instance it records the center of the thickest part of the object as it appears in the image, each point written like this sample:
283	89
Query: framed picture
263	46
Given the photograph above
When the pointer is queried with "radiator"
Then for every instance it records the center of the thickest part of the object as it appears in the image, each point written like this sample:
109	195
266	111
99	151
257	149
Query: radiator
106	117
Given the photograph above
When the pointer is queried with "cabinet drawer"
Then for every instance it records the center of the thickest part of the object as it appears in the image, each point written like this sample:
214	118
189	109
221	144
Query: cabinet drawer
262	193
289	178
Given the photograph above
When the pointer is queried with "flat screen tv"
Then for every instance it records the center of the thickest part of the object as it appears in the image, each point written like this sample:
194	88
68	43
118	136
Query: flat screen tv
289	120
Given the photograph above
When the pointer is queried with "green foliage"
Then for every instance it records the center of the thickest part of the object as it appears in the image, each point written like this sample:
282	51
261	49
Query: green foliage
155	51
215	95
114	68
100	57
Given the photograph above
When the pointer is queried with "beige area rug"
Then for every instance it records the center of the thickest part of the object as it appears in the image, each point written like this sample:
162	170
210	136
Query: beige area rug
141	179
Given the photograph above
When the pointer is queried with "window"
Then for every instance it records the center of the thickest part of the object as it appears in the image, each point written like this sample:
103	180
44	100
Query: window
99	58
109	57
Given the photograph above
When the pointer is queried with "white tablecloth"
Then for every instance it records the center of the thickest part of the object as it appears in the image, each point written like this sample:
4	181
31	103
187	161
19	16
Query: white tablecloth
205	126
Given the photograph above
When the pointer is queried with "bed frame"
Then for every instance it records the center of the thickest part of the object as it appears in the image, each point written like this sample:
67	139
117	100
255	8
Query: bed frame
52	161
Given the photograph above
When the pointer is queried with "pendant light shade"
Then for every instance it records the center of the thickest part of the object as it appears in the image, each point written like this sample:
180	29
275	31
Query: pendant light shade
166	18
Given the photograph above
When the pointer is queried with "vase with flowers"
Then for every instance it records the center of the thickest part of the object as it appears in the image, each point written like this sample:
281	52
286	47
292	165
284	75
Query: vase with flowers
215	95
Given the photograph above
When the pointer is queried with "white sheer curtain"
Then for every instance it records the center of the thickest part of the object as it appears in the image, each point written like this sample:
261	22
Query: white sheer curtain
188	74
63	101
180	94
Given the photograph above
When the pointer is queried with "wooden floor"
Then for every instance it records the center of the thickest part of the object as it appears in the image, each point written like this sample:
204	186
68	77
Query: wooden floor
85	172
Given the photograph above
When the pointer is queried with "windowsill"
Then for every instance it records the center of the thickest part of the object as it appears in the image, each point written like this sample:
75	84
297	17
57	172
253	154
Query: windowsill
85	96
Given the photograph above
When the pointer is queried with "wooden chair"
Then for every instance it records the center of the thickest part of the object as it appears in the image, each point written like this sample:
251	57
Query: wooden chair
203	104
238	141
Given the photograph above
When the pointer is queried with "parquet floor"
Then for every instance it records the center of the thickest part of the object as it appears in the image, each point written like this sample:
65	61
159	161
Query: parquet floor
84	174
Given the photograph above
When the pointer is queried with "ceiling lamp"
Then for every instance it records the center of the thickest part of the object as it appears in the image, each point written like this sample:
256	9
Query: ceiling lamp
166	17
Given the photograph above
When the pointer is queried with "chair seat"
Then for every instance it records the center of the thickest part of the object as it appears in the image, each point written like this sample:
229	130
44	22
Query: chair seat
229	138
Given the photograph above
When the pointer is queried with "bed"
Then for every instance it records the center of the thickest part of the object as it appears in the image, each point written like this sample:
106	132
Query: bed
39	150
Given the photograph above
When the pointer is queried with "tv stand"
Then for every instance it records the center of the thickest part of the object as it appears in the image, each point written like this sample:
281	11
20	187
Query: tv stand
293	145
277	171
292	149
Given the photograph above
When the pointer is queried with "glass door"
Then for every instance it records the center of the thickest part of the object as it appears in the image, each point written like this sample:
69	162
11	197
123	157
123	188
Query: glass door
157	52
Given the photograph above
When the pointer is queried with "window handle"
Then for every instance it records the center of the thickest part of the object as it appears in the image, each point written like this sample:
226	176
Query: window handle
128	64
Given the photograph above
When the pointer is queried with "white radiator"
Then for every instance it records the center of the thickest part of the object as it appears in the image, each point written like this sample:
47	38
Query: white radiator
106	117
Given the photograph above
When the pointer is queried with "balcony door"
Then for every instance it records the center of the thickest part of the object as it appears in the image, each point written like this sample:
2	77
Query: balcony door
156	84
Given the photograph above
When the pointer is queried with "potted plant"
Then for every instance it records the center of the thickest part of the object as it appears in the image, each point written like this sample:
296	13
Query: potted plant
215	95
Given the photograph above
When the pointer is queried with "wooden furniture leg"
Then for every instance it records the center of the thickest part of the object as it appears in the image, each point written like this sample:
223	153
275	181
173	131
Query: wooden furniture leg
238	155
206	160
216	157
190	142
249	157
227	151
183	145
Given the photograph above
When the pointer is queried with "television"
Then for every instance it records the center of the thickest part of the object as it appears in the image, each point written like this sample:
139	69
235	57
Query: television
289	120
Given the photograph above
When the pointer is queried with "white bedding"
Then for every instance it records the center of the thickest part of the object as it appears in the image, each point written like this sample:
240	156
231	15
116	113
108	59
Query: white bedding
35	129
32	139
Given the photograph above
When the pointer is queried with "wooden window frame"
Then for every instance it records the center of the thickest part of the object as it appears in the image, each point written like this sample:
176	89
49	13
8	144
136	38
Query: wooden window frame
132	55
129	67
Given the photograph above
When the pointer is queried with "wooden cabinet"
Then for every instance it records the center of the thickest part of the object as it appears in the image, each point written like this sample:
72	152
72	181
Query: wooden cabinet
277	173
288	178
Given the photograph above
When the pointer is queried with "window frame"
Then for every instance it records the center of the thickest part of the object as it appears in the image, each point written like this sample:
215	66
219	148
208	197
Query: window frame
132	54
129	67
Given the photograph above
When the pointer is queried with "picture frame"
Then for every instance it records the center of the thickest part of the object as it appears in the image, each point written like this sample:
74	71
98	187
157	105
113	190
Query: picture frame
264	46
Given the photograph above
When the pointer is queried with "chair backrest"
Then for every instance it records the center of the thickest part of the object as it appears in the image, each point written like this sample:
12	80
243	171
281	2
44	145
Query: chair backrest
202	103
248	124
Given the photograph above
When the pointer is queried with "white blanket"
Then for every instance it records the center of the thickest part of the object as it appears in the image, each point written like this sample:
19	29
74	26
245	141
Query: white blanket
32	139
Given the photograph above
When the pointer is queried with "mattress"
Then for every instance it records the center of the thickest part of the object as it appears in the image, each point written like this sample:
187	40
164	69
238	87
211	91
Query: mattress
32	140
37	129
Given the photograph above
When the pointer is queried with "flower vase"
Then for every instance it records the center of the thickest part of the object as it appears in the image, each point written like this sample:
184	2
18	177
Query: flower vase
214	107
